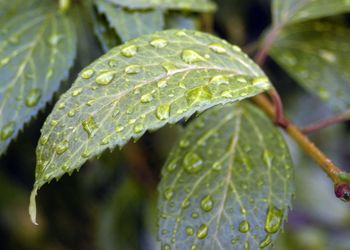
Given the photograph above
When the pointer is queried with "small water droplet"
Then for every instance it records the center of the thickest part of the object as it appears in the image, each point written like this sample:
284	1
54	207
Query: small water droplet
5	61
189	230
184	143
89	125
61	147
207	203
129	51
77	91
261	82
190	56
273	219
146	98
119	129
159	43
86	154
202	231
220	79
33	97
53	123
62	105
7	130
133	69
265	242
193	247
169	67
195	215
217	166
217	48
185	203
168	194
54	39
163	111
198	94
105	78
166	247
138	128
105	140
246	245
192	162
43	139
162	84
87	73
244	226
181	33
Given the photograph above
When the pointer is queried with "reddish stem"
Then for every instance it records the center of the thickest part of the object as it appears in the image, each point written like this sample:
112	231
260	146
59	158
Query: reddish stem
326	122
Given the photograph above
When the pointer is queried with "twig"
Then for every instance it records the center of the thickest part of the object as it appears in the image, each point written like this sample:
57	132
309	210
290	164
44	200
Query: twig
326	122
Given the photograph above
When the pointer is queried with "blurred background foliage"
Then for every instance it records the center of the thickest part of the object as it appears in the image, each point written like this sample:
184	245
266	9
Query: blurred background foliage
111	203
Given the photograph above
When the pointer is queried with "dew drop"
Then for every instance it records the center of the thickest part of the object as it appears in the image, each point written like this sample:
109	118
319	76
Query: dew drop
119	129
162	84
129	51
261	82
181	33
190	56
138	128
62	147
33	97
217	166
105	140
77	92
89	125
168	194
246	245
195	215
185	203
265	242
71	113
159	43
189	230
163	111
198	94
217	48
169	67
62	105
244	226
105	78
86	154
273	219
207	203
53	123
219	80
192	162
43	140
7	130
202	231
54	39
133	69
166	247
172	166
193	247
146	98
184	143
87	73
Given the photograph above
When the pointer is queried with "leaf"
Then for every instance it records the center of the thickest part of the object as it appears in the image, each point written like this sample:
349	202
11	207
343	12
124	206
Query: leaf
11	8
315	54
191	5
131	24
142	85
36	50
292	11
227	183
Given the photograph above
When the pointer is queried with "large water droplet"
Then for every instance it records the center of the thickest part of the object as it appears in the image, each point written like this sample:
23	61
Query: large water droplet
273	219
105	78
89	125
61	147
244	226
207	203
220	79
265	242
7	130
198	94
190	56
159	43
146	98
192	162
217	48
202	231
133	69
129	51
261	82
33	97
163	111
87	73
189	230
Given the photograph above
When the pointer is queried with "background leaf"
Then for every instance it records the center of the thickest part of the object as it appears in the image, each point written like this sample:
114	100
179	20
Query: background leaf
131	24
36	50
11	8
316	55
141	85
191	5
291	11
227	183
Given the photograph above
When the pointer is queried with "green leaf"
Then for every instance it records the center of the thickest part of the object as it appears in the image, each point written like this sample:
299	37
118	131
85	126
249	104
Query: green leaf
131	24
227	183
291	11
14	7
316	55
142	85
36	51
191	5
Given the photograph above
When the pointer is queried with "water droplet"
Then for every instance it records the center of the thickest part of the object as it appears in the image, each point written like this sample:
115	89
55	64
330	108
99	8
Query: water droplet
236	48
217	166
273	219
166	247
43	139
89	125
163	111
168	194
71	113
169	67
195	215
218	48
246	245
244	226
162	84
265	242
146	98
133	69
105	78
119	129
62	147
159	43
33	97
192	162
328	56
129	51
105	140
86	154
138	128
77	91
7	130
198	94
190	56
202	231
220	79
207	203
54	39
53	123
193	247
261	82
87	73
185	203
189	230
62	105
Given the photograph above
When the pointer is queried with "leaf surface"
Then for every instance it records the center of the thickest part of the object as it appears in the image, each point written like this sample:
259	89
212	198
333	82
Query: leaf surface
36	50
142	85
227	183
291	11
191	5
315	54
131	24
